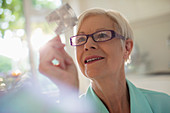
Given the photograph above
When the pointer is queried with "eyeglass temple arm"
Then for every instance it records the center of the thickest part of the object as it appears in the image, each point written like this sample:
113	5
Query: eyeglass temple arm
120	36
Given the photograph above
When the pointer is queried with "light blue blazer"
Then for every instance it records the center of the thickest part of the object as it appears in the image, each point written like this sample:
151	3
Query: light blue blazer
141	100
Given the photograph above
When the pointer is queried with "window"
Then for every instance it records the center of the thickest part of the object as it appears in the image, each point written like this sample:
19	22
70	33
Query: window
18	30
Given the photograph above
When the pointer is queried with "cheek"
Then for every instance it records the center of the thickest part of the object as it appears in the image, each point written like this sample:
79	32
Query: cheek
115	57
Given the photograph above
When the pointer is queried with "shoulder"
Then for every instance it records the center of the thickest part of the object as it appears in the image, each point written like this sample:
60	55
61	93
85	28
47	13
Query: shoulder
157	100
155	96
142	99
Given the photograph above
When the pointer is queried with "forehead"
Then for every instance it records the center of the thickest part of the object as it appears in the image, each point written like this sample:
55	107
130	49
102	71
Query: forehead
94	23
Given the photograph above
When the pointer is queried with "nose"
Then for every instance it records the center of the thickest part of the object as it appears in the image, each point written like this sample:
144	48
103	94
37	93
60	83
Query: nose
90	44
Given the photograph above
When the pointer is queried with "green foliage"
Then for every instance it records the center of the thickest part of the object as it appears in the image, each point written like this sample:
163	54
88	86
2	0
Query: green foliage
12	15
5	64
46	4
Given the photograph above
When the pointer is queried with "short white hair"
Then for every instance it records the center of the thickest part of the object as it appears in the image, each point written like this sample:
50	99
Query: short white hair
122	25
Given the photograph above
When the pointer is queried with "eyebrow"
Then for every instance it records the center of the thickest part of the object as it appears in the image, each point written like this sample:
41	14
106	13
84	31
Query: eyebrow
80	33
99	29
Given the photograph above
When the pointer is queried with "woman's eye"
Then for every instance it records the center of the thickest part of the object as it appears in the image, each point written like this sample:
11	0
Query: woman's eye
80	39
102	35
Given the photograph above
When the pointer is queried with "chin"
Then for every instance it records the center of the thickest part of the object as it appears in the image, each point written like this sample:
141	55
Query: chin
92	74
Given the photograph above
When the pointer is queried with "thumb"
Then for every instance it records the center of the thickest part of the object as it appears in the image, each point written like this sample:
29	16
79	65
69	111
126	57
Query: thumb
58	39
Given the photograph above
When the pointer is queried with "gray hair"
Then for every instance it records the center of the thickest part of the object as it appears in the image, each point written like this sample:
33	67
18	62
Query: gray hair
121	23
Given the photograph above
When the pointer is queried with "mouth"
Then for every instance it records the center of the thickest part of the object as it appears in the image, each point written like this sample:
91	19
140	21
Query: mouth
92	59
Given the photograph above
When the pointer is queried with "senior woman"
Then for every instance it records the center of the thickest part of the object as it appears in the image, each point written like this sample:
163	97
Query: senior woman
103	43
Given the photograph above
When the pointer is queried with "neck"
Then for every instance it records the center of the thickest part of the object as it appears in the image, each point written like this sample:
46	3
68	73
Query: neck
113	92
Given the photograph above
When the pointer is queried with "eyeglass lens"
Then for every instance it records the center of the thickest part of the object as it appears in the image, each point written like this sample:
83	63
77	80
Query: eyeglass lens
98	36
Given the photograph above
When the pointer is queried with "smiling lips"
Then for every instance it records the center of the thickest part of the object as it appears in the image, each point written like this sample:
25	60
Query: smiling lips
93	59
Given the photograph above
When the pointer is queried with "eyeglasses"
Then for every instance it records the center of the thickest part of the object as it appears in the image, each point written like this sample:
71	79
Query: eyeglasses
99	36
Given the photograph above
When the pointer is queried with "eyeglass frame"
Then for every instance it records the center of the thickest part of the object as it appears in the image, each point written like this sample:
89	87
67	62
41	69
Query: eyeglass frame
113	33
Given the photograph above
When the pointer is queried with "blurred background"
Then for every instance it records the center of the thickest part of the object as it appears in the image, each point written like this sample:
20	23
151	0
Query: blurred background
23	30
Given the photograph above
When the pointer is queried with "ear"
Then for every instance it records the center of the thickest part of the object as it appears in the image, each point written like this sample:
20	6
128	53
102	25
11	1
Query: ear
128	48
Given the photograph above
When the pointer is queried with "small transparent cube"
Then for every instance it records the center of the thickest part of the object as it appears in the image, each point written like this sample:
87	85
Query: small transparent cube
62	19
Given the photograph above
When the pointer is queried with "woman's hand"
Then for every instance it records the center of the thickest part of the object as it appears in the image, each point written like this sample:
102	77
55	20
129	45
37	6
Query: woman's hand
65	72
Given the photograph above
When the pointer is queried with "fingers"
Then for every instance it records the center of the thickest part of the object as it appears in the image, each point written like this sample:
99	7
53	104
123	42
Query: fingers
57	38
50	71
48	54
57	44
54	49
59	57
